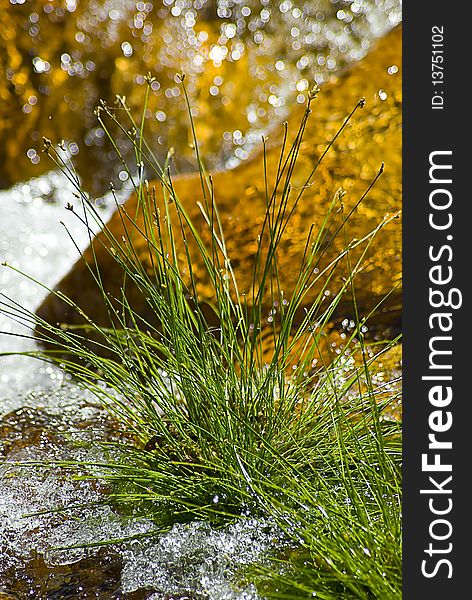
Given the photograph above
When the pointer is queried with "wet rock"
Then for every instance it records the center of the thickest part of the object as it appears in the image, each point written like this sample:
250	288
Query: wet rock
371	137
36	434
96	577
43	429
26	427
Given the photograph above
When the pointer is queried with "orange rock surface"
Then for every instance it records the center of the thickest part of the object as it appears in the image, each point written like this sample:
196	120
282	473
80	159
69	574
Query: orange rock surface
372	136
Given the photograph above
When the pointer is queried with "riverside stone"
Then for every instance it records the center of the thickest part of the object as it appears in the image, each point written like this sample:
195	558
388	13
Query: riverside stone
372	137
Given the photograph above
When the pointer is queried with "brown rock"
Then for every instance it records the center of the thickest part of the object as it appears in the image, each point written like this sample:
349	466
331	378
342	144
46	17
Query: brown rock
372	136
93	577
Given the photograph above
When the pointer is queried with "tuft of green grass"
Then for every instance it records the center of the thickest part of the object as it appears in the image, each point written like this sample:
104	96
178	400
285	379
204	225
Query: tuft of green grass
221	431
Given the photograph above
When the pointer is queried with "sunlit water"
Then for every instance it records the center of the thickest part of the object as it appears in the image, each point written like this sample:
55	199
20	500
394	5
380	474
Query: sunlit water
247	64
33	241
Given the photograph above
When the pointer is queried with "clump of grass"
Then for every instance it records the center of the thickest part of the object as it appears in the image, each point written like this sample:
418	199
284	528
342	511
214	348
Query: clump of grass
220	431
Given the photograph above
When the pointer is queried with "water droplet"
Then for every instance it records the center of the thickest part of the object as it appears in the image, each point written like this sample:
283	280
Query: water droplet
127	49
383	94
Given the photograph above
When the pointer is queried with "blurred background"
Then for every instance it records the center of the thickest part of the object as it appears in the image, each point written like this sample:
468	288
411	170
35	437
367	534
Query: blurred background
247	63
